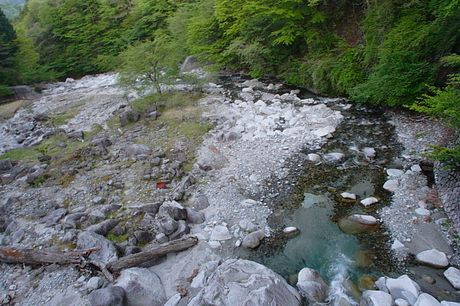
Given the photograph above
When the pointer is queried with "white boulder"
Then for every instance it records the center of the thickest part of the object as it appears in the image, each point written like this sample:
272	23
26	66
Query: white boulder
433	258
395	172
426	300
403	288
220	232
312	286
349	196
369	201
376	298
453	276
391	185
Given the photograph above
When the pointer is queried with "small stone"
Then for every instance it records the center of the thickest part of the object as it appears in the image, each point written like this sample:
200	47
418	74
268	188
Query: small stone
247	225
349	196
254	239
161	238
314	157
220	233
423	212
291	231
397	245
369	153
395	172
94	283
214	244
429	279
98	200
391	185
369	201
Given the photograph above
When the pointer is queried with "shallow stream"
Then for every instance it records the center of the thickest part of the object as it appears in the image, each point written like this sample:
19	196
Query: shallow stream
309	199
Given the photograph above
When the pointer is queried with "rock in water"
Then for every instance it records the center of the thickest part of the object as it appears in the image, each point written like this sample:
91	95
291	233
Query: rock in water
376	298
426	300
369	201
403	288
312	286
453	276
358	224
243	282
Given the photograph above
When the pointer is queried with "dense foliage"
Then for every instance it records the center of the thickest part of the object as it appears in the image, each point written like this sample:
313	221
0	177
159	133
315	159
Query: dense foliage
383	52
8	48
380	52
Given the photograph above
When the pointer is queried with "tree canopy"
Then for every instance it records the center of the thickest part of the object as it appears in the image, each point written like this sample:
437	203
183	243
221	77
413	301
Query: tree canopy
381	52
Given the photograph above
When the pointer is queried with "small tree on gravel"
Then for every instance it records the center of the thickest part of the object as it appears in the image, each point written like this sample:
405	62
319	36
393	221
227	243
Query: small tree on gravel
149	64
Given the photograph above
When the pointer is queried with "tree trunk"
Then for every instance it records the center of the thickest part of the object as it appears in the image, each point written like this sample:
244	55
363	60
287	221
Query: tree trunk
39	257
163	249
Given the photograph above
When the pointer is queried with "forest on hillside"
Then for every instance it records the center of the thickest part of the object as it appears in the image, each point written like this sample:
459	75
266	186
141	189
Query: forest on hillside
383	52
379	51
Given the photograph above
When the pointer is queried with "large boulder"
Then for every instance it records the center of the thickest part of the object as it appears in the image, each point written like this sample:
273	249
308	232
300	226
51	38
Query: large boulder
433	257
174	210
136	149
453	276
403	288
89	240
312	286
358	224
142	287
104	227
246	283
376	298
111	296
426	300
5	165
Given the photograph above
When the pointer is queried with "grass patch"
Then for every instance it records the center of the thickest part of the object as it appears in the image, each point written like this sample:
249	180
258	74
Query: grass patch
117	239
48	146
67	246
63	118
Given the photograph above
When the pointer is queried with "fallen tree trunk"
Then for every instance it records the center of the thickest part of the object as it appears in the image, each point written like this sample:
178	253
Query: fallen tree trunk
39	257
163	249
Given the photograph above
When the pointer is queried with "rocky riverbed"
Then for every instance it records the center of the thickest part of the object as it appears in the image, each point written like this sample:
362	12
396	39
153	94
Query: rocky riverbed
107	176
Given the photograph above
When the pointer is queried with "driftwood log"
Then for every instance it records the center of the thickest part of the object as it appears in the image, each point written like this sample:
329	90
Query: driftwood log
38	257
157	251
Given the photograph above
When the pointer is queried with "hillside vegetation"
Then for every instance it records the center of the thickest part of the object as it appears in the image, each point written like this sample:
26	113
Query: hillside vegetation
383	52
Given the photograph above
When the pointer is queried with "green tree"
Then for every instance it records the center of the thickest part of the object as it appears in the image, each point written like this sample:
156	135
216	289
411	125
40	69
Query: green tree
147	65
8	48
